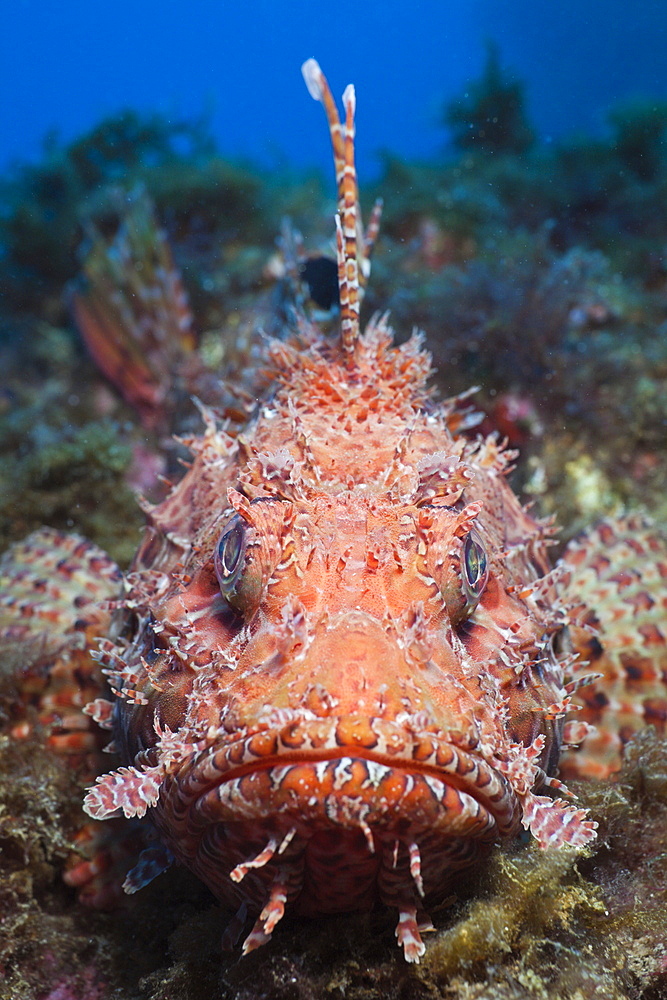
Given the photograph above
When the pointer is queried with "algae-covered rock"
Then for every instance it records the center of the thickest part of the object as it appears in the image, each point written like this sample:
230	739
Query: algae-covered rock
559	927
43	940
71	477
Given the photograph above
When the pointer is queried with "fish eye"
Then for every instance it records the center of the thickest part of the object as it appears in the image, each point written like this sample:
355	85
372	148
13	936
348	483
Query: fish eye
457	563
475	567
242	564
229	556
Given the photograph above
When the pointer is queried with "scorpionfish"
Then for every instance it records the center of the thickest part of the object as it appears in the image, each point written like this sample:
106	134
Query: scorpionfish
342	665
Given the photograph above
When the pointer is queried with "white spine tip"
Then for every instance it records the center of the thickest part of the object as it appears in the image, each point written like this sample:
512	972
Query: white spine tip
312	74
349	97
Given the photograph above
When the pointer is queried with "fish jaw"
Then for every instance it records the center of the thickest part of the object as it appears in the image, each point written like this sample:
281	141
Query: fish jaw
366	806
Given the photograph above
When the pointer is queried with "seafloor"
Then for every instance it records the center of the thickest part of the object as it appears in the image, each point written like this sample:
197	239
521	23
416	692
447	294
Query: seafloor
539	275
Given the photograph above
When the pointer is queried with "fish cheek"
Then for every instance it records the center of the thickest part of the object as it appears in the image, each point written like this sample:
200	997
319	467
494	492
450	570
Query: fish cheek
170	709
528	722
141	726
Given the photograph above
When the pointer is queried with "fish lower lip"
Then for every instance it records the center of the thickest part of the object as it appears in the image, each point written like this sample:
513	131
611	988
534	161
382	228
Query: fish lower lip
461	791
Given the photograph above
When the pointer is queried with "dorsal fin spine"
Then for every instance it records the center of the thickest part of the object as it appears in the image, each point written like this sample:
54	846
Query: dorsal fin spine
348	249
348	197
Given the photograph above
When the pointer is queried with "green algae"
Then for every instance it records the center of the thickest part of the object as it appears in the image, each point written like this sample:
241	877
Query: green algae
640	134
605	193
43	206
42	938
556	926
69	477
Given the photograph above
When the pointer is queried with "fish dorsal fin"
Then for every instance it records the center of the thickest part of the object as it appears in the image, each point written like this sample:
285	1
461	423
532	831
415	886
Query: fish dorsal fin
354	247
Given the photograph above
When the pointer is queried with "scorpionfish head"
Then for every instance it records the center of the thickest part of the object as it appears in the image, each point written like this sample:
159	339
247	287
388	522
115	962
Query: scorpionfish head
346	695
336	683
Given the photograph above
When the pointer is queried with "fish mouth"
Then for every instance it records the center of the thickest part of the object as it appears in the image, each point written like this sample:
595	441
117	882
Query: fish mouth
344	773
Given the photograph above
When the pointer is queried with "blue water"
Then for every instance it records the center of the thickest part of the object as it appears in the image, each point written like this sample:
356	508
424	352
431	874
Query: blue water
64	65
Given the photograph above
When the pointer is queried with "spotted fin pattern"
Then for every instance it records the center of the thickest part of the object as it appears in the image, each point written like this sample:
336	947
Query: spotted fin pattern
55	591
616	580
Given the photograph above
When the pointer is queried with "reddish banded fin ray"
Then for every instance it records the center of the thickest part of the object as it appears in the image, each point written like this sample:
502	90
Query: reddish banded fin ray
354	247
